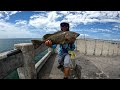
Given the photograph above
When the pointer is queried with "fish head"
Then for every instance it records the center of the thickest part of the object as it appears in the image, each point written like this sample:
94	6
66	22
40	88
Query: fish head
71	36
74	35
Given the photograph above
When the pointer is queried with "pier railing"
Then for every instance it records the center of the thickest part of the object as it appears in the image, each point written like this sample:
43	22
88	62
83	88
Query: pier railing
22	59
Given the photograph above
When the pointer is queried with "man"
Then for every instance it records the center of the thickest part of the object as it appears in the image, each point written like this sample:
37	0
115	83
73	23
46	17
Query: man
63	56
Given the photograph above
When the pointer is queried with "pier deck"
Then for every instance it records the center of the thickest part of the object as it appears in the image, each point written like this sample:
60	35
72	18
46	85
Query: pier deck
93	67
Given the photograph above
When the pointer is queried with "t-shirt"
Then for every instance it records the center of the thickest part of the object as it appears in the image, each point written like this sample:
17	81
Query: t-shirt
64	48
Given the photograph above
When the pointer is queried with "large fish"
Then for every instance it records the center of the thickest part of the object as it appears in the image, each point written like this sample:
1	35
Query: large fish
60	37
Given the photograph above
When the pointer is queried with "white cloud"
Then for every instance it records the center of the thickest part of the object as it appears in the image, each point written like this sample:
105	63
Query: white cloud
64	12
45	20
52	16
73	17
38	21
115	29
93	16
40	11
83	35
100	30
21	22
109	20
7	14
117	26
1	15
8	30
14	12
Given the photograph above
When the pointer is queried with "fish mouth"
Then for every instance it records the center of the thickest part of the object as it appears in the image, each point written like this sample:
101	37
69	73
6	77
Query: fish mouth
78	34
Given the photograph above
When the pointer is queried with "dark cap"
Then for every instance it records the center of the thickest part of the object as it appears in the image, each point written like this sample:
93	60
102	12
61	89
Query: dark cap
64	24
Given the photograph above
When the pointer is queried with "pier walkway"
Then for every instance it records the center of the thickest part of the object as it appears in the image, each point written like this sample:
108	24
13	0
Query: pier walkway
92	67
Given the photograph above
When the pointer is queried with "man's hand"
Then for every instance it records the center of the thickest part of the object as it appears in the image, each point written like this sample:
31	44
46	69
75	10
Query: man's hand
48	43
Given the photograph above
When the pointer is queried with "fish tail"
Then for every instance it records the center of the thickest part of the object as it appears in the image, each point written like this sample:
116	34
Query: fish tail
36	43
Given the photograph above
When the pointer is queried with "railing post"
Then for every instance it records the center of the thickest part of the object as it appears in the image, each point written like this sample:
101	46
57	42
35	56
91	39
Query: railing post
52	50
49	49
28	70
56	49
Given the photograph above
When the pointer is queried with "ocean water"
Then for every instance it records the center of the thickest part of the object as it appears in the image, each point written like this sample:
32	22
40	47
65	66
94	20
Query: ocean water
8	44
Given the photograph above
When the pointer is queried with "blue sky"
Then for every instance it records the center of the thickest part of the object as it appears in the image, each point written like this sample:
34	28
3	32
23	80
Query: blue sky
35	24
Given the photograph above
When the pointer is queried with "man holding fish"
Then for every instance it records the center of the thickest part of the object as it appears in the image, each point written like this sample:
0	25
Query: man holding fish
66	41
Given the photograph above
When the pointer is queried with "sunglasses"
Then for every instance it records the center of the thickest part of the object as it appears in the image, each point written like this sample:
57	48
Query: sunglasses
64	25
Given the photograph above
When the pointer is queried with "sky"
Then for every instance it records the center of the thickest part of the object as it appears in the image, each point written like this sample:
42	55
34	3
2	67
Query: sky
35	24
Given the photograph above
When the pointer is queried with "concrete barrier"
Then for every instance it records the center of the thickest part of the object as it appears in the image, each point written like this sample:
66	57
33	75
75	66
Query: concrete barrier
27	71
119	51
111	48
98	47
105	48
22	59
115	49
81	46
90	47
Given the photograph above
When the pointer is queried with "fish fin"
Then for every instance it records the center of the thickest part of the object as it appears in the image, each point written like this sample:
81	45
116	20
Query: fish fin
46	36
57	32
36	43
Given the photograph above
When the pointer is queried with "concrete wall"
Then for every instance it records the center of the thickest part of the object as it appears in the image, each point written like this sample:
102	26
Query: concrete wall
22	59
97	47
118	51
90	45
81	46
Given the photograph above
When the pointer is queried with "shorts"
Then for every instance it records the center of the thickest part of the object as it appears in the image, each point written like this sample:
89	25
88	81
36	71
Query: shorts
64	60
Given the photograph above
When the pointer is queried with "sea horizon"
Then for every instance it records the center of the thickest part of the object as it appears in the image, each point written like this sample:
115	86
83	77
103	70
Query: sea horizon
7	44
19	38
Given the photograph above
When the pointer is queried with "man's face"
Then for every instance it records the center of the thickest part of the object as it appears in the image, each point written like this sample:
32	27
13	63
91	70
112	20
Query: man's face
64	28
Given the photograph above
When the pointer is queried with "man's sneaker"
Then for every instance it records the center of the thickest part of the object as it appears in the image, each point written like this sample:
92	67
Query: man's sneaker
60	66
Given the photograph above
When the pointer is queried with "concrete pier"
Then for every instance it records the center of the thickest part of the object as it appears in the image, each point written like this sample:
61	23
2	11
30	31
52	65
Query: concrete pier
98	59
